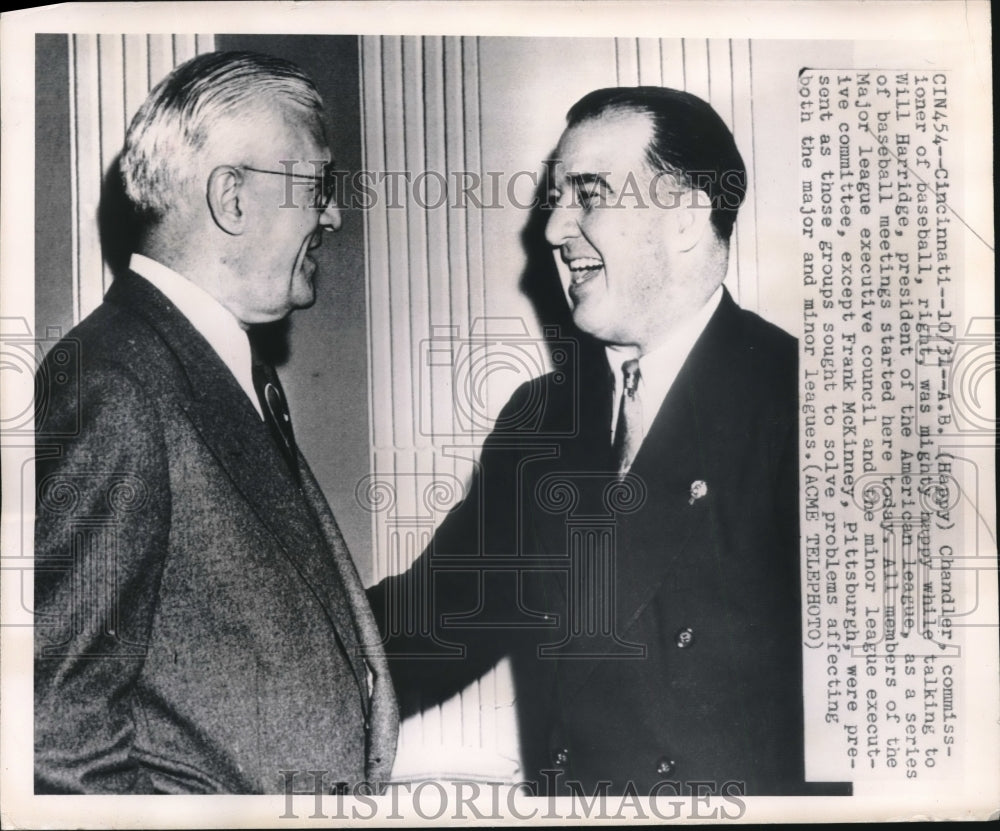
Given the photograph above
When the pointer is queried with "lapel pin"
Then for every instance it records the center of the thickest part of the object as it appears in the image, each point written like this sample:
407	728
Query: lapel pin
698	489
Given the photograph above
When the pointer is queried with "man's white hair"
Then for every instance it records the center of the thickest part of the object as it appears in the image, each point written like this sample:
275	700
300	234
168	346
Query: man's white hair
175	122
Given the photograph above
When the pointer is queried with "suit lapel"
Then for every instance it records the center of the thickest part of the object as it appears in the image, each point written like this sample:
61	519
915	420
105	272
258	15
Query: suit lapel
667	463
652	543
382	709
681	449
232	430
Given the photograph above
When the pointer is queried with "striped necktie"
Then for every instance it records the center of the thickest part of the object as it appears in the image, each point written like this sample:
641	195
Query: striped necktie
275	409
628	432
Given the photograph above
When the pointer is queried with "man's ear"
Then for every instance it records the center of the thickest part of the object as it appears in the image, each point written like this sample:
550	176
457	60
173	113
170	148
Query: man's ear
224	200
694	218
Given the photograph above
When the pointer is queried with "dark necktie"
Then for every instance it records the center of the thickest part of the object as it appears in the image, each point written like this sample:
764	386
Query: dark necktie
275	409
628	431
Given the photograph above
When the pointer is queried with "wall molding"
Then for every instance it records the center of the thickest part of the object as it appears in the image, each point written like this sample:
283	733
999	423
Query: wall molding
109	78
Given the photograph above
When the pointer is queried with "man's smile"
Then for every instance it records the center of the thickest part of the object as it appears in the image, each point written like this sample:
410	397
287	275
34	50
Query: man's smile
583	268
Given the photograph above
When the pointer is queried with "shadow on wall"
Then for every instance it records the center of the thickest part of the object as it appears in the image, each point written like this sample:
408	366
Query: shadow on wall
119	226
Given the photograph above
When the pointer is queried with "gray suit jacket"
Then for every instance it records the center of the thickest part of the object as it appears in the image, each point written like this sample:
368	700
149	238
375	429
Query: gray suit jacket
200	624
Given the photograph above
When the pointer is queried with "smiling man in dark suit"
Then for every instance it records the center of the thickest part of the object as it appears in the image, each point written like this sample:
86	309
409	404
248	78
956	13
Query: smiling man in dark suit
648	506
200	623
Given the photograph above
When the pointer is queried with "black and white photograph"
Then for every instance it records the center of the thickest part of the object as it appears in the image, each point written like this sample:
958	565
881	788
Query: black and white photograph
473	413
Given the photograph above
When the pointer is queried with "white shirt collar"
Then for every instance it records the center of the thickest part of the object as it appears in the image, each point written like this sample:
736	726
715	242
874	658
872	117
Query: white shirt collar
213	321
659	369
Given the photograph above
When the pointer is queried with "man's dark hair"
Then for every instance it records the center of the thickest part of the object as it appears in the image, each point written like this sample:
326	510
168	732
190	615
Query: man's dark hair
689	140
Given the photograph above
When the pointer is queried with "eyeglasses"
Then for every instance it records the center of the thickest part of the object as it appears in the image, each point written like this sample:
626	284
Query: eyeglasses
327	181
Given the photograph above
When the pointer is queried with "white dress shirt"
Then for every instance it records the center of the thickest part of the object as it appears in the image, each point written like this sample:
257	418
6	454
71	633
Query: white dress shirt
213	321
659	369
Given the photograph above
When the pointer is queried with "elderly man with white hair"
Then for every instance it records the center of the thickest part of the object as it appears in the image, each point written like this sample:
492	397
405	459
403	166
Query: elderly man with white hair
201	627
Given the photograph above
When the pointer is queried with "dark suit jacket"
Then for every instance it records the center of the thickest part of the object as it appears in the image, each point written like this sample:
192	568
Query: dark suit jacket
198	616
698	678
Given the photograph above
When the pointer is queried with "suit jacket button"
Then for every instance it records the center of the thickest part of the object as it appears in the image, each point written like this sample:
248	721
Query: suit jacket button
560	757
685	638
665	766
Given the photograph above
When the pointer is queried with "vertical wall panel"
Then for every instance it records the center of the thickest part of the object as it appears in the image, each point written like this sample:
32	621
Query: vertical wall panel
55	188
88	278
377	250
454	112
397	213
110	76
672	63
443	274
415	164
161	57
436	407
720	96
743	256
720	77
185	46
424	238
203	43
650	62
135	62
626	62
473	162
112	112
696	67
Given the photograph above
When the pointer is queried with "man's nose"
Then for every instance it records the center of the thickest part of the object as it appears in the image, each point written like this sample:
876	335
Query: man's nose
561	225
330	219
